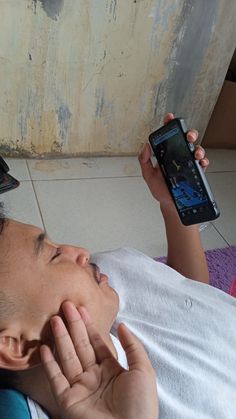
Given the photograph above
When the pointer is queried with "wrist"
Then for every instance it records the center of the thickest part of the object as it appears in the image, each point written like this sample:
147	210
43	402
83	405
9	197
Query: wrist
168	209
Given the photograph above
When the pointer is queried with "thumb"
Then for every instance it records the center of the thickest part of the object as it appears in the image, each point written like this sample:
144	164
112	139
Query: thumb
135	352
145	154
146	163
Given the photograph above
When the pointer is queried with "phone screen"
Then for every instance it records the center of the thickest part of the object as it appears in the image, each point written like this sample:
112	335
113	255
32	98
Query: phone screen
184	180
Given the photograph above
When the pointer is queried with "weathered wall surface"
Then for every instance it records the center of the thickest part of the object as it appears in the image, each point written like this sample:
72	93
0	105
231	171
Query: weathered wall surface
94	77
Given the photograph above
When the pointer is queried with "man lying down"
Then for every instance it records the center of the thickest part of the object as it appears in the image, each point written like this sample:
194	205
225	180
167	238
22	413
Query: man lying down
186	326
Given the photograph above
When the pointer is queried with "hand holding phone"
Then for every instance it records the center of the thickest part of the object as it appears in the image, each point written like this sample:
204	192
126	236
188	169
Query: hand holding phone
183	174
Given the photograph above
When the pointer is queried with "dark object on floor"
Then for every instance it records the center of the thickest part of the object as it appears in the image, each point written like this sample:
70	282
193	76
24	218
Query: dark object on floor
7	182
222	268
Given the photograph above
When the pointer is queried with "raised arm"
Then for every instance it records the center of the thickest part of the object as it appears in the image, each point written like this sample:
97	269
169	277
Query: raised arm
185	252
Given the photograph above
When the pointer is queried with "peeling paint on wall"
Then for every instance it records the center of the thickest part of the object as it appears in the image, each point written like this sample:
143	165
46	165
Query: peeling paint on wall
194	31
51	7
99	94
98	81
64	115
113	6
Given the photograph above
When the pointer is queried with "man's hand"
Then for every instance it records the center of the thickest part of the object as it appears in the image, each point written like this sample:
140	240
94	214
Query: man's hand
185	252
88	382
152	174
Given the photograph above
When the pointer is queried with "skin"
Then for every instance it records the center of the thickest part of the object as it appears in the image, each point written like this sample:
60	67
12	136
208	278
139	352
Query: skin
89	382
39	284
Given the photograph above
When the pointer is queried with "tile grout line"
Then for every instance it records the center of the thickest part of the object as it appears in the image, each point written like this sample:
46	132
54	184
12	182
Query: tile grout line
104	177
82	178
220	171
228	244
35	194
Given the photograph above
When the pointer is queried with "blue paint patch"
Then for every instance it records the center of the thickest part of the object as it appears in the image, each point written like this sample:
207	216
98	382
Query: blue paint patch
63	115
23	125
193	35
28	107
99	94
52	8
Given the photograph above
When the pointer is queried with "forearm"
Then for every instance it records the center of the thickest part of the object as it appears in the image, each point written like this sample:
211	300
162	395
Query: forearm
185	252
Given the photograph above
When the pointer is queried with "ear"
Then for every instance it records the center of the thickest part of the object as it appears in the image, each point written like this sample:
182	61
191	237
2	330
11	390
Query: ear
17	354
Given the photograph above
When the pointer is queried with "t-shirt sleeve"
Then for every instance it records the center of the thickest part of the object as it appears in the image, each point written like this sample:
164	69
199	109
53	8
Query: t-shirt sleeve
13	405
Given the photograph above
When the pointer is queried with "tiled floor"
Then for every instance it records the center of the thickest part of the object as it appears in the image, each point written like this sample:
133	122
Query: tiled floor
103	203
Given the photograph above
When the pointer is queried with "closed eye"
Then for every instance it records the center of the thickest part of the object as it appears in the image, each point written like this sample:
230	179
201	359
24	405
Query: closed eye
56	254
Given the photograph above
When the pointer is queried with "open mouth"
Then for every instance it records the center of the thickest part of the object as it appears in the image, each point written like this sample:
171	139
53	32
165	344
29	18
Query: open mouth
96	272
98	276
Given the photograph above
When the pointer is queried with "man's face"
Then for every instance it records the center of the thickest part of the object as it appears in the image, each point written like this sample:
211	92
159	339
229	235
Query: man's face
39	275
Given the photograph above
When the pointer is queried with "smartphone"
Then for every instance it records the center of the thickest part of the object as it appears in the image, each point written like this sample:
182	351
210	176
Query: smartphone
7	182
183	174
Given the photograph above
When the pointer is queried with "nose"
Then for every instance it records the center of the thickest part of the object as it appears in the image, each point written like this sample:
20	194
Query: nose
79	255
82	257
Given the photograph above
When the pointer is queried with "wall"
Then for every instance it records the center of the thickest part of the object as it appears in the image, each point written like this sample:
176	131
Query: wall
94	77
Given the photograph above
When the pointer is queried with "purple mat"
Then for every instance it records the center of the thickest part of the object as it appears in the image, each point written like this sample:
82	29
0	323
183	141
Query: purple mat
222	266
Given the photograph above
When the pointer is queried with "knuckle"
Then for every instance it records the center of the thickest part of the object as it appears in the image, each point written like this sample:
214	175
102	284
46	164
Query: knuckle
96	339
131	348
55	378
83	343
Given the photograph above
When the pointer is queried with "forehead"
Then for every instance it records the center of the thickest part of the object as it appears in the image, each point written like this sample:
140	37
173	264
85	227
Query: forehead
19	230
17	261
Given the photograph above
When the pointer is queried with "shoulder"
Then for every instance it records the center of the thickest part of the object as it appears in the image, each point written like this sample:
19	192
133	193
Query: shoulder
13	405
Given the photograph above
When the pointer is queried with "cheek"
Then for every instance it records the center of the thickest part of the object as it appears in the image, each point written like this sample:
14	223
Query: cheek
73	284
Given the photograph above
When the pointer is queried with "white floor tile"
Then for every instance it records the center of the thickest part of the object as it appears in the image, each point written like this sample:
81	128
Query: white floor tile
102	214
224	187
106	213
18	168
211	239
221	160
21	204
77	168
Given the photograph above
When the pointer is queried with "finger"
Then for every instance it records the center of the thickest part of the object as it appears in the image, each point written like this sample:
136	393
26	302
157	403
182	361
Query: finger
79	335
204	163
136	355
146	163
199	153
192	135
68	358
145	154
168	117
100	348
57	380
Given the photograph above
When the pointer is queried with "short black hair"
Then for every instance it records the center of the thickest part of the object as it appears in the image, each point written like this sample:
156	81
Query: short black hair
8	379
2	217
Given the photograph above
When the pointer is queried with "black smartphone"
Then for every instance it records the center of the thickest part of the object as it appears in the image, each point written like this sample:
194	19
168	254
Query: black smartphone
7	182
183	174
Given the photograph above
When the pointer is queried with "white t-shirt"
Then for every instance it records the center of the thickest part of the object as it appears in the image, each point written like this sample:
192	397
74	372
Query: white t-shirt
188	329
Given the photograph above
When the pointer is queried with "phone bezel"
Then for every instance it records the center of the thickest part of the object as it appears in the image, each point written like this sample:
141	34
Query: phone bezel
192	218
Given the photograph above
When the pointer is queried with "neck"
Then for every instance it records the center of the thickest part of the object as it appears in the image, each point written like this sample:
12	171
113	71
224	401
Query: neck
34	384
